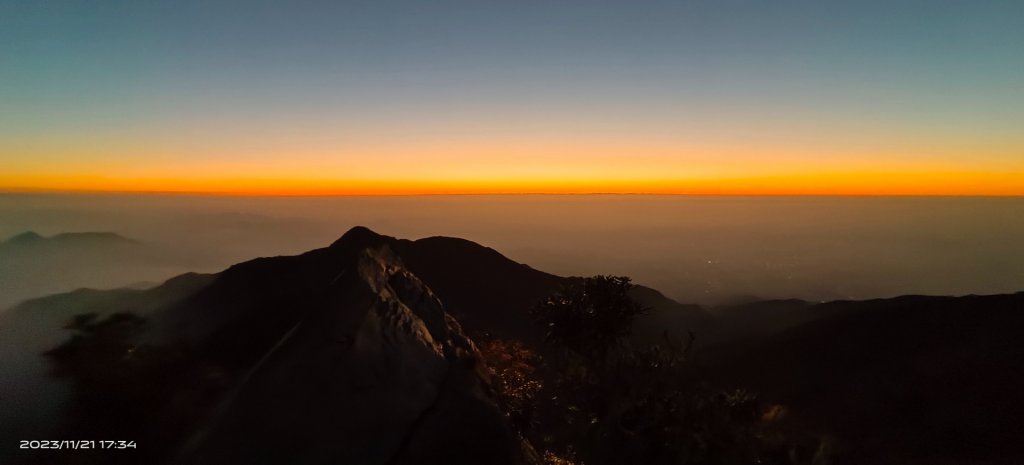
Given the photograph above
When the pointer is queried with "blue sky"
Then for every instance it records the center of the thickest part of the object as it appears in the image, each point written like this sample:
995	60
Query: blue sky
883	73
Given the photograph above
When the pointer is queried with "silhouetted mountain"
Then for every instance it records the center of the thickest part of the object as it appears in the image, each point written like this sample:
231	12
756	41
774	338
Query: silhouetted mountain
491	294
348	358
32	265
486	291
27	237
362	352
33	239
230	321
338	355
909	380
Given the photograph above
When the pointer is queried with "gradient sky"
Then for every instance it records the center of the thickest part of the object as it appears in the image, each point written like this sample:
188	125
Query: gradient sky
420	96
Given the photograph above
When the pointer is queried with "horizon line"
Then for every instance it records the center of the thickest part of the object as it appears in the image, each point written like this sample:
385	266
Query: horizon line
170	193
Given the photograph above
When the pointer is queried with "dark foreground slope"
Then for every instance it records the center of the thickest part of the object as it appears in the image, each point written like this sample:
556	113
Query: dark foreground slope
906	380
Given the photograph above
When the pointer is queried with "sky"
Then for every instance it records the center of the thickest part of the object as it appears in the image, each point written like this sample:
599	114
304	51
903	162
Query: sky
421	97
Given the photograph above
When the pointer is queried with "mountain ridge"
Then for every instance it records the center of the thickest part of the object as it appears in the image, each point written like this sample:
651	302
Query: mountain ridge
400	360
295	328
344	335
32	265
96	237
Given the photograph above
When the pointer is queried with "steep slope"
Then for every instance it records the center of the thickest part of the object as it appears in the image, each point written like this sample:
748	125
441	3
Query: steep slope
372	371
486	291
491	294
338	355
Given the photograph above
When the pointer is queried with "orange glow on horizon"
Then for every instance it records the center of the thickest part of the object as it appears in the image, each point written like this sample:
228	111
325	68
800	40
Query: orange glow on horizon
309	162
828	183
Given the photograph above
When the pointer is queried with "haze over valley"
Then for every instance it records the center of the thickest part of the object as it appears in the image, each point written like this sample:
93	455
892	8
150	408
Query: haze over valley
696	249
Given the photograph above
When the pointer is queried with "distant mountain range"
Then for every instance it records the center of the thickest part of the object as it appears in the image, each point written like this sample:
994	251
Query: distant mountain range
32	265
363	352
32	239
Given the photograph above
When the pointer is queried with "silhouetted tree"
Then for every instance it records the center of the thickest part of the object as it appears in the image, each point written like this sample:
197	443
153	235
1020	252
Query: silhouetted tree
590	317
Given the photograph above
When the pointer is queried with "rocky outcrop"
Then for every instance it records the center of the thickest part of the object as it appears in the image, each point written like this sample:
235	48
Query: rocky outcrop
373	371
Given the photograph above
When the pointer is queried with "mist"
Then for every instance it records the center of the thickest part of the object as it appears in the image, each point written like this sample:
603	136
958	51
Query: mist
707	250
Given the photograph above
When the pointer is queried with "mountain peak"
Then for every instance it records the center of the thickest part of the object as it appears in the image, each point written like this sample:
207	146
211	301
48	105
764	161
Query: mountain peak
100	237
359	237
369	354
24	238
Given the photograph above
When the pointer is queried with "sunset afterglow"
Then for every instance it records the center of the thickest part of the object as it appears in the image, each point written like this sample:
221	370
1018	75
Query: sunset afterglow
527	97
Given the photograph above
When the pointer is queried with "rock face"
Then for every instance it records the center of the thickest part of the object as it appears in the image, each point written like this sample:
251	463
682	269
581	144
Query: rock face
340	355
372	371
